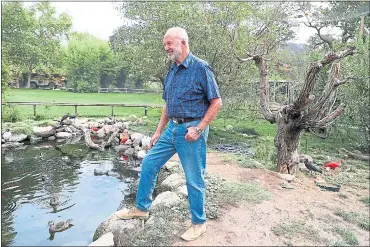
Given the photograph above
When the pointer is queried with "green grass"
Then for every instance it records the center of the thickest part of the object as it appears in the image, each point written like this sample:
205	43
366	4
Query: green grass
234	192
59	96
347	235
297	228
366	200
355	218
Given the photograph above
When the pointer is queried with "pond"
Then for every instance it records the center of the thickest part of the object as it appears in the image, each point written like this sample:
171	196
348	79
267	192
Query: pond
31	176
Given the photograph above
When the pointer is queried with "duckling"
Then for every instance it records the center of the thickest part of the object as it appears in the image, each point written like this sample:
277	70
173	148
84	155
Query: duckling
7	135
54	201
60	226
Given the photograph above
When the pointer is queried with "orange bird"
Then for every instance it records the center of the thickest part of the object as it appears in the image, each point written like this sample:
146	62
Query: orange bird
332	165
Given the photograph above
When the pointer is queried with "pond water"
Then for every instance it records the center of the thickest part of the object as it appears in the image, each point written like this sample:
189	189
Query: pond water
33	175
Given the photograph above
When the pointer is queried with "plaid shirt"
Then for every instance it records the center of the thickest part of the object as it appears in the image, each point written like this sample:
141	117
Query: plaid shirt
189	87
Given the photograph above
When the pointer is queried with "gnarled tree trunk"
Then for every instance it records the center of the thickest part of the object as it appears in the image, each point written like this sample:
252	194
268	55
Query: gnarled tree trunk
304	113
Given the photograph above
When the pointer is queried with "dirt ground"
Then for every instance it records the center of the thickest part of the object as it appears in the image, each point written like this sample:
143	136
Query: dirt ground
305	214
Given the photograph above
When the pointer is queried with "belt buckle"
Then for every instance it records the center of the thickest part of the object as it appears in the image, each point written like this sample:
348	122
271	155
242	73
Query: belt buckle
177	120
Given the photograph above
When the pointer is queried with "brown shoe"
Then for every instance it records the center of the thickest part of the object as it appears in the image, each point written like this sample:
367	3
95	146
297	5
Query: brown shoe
194	232
126	214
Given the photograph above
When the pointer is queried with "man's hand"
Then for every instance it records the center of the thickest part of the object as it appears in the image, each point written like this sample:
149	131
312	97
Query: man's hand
192	134
154	139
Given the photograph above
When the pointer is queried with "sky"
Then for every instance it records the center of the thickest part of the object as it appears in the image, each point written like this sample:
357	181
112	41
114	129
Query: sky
101	19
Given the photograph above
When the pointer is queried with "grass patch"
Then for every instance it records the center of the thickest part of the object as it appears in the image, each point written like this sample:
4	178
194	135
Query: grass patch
234	192
297	228
241	160
347	235
366	200
355	218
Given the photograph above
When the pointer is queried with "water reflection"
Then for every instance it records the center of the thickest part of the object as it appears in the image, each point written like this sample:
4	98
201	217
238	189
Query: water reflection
42	172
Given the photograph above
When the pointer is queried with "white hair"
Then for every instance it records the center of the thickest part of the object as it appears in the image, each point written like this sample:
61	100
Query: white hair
178	32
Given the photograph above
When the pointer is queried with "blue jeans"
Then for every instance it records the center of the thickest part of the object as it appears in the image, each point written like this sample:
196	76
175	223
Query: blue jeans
193	159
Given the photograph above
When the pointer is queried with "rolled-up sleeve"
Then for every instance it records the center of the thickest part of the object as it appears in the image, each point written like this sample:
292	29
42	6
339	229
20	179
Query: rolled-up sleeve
210	85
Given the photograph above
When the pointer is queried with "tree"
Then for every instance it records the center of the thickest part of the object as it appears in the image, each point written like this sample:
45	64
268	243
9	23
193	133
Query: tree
32	36
87	61
304	112
341	15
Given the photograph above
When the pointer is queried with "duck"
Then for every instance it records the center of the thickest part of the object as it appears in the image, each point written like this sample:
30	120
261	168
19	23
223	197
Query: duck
60	226
7	135
54	201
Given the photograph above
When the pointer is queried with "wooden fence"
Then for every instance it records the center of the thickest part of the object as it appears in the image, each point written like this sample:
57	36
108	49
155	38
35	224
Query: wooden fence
127	90
112	105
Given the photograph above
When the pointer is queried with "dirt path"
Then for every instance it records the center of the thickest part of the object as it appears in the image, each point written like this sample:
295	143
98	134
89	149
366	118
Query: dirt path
300	216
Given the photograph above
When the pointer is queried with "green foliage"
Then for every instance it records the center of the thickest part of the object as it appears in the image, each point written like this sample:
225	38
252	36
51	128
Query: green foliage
32	36
366	200
347	235
354	217
10	114
87	59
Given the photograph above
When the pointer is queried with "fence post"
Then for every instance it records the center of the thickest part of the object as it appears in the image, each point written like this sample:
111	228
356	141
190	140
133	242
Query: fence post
112	111
145	110
34	110
75	109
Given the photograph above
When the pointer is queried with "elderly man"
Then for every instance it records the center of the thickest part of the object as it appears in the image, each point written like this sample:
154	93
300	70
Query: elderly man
192	102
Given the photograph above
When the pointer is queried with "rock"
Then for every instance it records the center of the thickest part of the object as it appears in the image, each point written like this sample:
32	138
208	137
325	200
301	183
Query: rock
129	152
68	129
137	136
123	229
44	131
18	138
51	138
305	156
105	240
121	148
287	177
12	144
63	135
182	190
173	181
172	166
60	129
167	198
302	166
141	154
118	125
100	171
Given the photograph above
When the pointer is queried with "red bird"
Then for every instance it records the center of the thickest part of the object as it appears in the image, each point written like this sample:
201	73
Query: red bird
95	129
332	165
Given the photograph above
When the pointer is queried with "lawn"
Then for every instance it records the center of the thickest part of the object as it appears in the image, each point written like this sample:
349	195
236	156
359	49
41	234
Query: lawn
59	96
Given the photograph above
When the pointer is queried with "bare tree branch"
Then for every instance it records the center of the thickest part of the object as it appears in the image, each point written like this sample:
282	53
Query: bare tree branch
327	120
314	69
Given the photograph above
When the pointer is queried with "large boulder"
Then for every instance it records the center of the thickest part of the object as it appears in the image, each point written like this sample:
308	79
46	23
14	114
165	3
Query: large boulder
173	182
123	229
105	240
63	135
167	198
44	131
18	138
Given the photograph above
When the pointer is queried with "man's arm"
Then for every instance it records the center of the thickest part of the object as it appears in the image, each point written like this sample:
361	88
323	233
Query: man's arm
162	123
211	113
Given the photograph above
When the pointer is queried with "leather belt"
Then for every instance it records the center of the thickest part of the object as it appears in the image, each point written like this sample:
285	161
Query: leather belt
184	120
